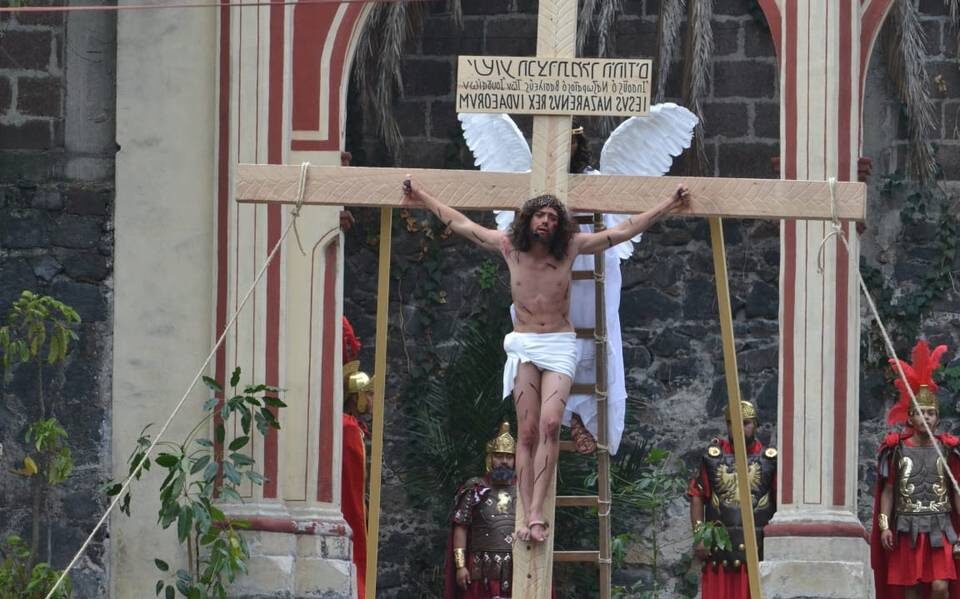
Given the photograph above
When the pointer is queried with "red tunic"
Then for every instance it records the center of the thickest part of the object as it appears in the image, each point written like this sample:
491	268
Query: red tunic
353	486
909	565
720	582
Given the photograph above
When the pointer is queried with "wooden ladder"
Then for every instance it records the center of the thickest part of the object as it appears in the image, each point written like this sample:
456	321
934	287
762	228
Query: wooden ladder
601	501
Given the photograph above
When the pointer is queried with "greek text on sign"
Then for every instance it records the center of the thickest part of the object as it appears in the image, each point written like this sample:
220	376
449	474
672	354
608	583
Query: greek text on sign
531	85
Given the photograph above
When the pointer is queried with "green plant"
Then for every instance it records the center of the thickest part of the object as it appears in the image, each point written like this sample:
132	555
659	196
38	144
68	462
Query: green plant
713	535
216	552
20	581
38	330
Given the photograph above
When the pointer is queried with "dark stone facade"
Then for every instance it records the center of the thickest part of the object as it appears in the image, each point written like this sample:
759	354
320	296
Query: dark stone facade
56	238
668	309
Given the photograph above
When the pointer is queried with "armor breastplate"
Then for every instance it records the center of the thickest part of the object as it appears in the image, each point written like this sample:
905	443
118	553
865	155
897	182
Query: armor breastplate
491	536
922	495
921	481
724	503
493	520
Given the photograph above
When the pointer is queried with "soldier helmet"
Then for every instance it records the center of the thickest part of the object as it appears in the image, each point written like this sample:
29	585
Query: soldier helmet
355	382
502	443
919	373
747	410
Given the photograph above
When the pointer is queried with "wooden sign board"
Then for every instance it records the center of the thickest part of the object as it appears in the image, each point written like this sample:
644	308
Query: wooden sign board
563	86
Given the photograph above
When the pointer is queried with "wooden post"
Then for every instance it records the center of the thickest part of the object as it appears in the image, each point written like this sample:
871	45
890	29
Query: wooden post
379	387
733	401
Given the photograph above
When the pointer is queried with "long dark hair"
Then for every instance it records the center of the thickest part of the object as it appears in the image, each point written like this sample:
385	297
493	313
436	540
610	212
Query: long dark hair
521	236
582	158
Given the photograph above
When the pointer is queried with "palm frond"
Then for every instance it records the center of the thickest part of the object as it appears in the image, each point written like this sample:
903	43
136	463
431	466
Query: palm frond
903	42
606	27
696	76
585	23
378	69
668	32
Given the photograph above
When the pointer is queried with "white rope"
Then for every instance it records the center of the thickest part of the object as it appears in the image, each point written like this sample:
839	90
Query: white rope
887	342
233	319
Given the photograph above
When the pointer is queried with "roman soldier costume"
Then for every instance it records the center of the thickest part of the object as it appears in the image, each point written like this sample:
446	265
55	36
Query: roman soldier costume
923	515
724	574
356	384
486	507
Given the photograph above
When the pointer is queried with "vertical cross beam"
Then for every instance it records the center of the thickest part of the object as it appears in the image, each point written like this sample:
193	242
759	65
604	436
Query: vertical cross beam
556	38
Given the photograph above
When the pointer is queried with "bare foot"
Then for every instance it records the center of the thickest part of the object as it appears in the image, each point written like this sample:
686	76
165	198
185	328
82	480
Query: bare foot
582	439
539	530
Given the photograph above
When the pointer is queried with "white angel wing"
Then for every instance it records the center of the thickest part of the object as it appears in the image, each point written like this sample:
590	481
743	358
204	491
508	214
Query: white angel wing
646	145
496	142
497	145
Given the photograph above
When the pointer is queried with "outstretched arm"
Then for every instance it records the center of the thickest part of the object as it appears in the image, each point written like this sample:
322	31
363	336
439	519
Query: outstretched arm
589	243
415	195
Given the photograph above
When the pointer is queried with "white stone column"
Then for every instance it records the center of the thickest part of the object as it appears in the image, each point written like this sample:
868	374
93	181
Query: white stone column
815	545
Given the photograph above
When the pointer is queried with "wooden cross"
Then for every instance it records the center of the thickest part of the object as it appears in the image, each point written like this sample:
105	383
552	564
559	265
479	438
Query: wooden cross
473	190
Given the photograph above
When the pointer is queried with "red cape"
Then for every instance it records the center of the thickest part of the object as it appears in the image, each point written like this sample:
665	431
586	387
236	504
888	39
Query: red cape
352	490
878	555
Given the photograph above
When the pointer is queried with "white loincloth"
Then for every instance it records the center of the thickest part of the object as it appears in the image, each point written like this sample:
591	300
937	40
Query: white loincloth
583	315
556	352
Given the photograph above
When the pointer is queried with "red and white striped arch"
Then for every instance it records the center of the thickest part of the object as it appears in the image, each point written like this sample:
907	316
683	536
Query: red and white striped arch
823	47
282	81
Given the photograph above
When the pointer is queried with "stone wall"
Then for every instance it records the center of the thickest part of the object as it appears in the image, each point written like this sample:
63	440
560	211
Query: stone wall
668	310
56	213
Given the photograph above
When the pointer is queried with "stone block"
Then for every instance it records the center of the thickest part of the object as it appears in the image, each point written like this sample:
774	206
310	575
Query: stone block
763	301
442	36
443	120
531	6
726	37
263	543
766	120
700	300
744	79
89	201
511	36
46	267
26	49
427	77
933	8
411	118
6	95
84	266
34	134
643	305
76	232
757	41
25	229
87	299
324	578
633	7
16	275
423	154
47	199
728	7
747	160
932	43
636	38
725	119
267	574
485	7
40	96
948	157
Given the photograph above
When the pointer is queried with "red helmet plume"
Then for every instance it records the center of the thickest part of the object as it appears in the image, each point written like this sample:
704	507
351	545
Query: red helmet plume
351	345
919	373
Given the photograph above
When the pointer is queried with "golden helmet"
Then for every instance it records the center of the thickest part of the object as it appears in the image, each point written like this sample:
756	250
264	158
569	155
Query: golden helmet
502	443
357	383
747	410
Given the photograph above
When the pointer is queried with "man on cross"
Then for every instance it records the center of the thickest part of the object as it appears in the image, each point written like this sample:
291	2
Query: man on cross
539	250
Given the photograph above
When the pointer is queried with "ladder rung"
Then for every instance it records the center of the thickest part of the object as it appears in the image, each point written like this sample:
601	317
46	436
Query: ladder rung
582	275
583	389
585	333
578	501
592	557
567	445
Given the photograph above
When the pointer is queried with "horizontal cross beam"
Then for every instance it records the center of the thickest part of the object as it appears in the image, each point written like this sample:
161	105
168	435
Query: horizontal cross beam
475	190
